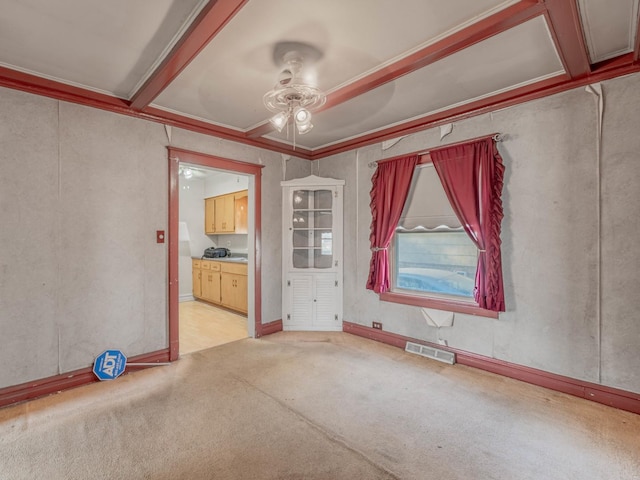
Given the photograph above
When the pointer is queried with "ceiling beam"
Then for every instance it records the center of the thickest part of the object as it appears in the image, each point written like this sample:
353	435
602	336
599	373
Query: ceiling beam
29	83
488	27
622	65
461	112
194	125
61	91
209	22
564	23
613	68
497	23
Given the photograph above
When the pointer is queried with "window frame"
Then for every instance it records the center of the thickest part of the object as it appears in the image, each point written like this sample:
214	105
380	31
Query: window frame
427	300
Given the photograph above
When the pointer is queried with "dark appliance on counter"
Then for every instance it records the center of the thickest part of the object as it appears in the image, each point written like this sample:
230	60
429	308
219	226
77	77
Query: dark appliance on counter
213	252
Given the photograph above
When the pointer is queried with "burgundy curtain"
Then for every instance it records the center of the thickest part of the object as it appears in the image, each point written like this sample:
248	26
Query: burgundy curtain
391	182
472	177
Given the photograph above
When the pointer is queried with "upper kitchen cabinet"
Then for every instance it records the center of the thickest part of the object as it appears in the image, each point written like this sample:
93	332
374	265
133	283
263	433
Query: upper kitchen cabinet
240	204
226	213
209	216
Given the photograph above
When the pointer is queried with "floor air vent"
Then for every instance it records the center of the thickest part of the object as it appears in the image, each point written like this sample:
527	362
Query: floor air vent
430	352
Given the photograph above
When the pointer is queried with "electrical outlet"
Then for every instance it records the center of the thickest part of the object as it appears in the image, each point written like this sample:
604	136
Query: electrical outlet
377	325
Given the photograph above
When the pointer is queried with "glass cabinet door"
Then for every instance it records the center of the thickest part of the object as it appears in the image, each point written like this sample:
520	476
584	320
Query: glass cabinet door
312	228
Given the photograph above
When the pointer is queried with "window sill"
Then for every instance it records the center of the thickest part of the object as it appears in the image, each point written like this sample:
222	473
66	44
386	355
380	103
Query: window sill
438	304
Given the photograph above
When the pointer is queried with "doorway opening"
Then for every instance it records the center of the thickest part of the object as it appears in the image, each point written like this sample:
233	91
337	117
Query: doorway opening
206	302
213	257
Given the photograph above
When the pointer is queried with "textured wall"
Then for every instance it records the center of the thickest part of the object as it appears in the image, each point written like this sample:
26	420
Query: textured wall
29	236
81	195
620	183
550	235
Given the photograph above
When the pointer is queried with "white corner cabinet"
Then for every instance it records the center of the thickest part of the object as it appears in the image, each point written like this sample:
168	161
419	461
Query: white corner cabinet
312	253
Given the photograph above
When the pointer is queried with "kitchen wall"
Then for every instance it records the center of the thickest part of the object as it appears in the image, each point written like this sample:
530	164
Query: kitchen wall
569	237
219	183
81	197
191	205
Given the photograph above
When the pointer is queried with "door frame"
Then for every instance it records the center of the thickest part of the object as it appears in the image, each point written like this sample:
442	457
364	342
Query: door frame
254	171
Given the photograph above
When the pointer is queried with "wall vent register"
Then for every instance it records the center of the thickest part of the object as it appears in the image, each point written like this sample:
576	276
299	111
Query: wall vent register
431	352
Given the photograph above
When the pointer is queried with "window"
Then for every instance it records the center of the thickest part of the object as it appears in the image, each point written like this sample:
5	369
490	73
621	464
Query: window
433	260
439	262
472	175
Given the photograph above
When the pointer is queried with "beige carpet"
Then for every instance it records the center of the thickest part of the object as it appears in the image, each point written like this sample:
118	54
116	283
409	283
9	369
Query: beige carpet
315	406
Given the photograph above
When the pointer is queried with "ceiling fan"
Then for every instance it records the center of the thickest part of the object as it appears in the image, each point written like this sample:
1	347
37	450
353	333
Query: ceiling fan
295	94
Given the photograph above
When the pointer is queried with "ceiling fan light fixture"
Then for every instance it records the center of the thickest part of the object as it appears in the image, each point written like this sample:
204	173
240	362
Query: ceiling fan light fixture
302	118
301	115
304	128
279	120
295	94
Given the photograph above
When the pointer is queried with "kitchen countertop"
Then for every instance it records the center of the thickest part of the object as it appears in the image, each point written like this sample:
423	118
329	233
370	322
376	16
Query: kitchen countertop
231	259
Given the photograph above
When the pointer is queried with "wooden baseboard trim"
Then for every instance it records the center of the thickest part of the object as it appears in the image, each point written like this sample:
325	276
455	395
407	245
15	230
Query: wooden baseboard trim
271	327
65	381
610	396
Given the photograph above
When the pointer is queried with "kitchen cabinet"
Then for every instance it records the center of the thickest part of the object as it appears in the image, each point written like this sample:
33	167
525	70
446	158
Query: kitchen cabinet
226	213
210	281
312	254
209	216
221	283
196	274
241	203
233	286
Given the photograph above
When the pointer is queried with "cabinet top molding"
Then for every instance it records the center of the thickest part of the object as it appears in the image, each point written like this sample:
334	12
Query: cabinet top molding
312	180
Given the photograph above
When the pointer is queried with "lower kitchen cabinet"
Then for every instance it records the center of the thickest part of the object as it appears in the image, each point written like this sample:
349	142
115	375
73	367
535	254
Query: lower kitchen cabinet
210	281
196	275
221	283
233	287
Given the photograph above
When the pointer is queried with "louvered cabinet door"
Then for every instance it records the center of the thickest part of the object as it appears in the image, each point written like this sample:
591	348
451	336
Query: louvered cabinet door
299	306
325	296
311	302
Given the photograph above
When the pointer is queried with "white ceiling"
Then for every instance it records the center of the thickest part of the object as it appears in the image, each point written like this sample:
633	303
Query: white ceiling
387	67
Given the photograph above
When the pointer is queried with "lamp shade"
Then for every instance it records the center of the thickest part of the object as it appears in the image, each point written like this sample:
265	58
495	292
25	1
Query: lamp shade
183	232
